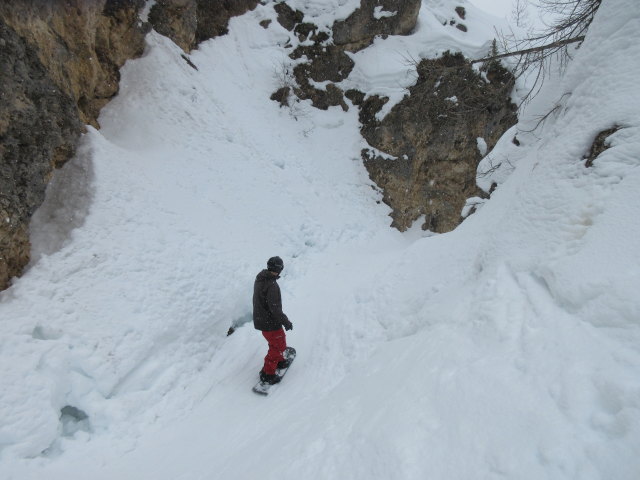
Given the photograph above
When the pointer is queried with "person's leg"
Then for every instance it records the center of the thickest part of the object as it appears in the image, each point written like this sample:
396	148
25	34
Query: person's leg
277	343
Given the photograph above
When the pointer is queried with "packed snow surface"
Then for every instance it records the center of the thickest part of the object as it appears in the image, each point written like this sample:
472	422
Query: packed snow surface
508	348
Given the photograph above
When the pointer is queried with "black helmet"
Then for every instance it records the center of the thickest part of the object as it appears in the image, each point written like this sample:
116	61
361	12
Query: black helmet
275	264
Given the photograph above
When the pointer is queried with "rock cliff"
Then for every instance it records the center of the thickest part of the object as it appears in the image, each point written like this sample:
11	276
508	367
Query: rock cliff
438	134
326	60
373	18
59	65
60	61
190	22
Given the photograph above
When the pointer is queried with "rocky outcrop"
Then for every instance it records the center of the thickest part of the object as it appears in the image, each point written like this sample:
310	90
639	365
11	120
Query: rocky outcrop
287	16
190	22
60	61
373	18
59	65
176	19
326	59
599	145
38	128
214	15
438	133
323	64
81	45
435	133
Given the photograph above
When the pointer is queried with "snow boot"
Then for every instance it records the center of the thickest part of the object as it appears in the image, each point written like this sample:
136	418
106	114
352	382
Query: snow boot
270	379
284	363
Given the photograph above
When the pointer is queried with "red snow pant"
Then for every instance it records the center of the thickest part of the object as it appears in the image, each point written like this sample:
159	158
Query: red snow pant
277	343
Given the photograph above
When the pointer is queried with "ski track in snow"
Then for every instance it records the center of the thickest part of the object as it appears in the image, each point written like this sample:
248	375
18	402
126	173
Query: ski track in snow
504	349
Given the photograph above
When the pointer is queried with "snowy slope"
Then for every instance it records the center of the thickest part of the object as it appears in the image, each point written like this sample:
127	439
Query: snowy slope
505	349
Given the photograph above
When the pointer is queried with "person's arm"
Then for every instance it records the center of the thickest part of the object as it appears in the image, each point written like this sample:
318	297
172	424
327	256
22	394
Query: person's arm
274	302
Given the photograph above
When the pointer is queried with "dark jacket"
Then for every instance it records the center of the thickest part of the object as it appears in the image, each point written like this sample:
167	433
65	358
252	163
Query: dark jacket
267	303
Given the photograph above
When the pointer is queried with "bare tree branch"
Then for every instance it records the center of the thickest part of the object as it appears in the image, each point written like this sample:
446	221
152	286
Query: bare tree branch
539	51
559	43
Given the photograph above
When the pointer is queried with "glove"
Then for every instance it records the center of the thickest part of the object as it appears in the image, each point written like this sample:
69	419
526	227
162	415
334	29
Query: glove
287	325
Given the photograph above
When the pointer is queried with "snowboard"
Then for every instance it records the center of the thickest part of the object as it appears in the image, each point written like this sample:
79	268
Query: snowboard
262	388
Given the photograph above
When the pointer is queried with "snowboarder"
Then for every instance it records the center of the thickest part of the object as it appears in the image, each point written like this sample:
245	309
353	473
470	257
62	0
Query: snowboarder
269	318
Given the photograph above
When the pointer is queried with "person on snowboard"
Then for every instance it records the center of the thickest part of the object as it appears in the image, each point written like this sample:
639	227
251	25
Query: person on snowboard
269	318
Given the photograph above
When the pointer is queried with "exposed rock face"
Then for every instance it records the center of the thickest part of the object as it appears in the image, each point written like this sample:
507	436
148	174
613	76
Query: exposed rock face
324	63
82	45
287	16
176	19
38	128
59	64
599	145
189	22
433	133
214	15
376	17
326	60
60	61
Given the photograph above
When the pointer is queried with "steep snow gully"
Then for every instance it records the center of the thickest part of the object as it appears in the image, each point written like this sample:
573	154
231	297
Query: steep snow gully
507	348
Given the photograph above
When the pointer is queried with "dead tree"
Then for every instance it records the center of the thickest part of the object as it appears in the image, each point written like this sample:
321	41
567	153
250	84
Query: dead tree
536	51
